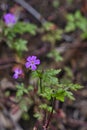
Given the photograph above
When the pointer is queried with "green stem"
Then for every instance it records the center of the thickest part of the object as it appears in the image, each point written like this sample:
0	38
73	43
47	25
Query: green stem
40	84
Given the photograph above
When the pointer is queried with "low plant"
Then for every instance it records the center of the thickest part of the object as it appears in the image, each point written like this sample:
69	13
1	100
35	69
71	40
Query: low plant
55	55
12	31
52	34
76	21
48	88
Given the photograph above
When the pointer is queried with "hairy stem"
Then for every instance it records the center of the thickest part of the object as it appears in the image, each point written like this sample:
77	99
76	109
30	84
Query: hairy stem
50	116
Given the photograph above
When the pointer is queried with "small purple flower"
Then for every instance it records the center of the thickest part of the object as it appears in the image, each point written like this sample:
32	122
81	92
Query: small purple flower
17	73
31	63
10	19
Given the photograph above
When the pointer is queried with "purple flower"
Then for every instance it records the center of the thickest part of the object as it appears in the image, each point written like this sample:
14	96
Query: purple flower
17	73
31	63
10	19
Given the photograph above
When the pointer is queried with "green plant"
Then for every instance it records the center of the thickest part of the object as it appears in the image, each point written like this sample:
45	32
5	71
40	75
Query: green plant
13	35
22	96
19	44
49	89
21	90
54	54
52	34
77	21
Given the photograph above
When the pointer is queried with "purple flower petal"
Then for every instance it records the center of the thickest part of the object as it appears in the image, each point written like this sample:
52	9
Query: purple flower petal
15	76
33	57
27	64
37	62
29	58
33	67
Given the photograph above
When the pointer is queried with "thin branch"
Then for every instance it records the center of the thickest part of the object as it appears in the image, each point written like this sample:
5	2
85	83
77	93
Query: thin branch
31	10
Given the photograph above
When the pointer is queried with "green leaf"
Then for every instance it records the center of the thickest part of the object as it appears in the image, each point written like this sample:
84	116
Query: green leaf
56	55
45	107
70	18
38	116
74	86
36	74
47	93
53	35
30	88
47	25
22	27
49	77
78	15
76	21
59	94
70	95
21	90
70	27
23	106
20	45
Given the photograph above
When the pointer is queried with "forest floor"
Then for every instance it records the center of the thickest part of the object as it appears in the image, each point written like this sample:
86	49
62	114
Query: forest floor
71	115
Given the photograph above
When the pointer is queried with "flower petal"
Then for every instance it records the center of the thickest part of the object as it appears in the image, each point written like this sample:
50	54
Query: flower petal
37	62
29	58
15	76
33	67
27	64
33	57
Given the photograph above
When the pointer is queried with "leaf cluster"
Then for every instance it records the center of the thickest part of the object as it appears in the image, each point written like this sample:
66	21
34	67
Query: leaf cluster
21	90
77	21
51	88
55	55
23	27
49	77
12	36
61	92
45	107
52	34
